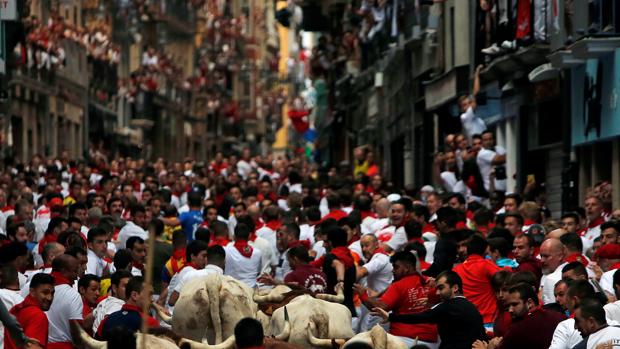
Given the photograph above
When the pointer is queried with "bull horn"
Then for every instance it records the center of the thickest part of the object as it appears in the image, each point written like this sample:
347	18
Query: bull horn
338	298
379	337
322	342
229	343
87	341
162	315
286	332
275	298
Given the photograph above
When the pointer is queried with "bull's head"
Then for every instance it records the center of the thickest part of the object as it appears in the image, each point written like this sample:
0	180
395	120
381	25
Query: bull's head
230	342
323	342
276	295
338	298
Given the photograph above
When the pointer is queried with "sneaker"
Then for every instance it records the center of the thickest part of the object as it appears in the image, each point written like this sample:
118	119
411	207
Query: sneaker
492	50
509	45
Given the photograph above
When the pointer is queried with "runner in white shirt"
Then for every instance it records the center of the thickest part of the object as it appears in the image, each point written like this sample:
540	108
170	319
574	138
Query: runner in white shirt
67	305
382	207
115	300
196	255
553	255
134	227
97	248
9	293
271	216
137	247
243	262
376	273
216	257
399	213
269	260
287	237
50	251
591	322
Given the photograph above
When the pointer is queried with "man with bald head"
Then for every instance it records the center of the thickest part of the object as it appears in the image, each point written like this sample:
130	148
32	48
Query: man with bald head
553	258
377	271
67	306
50	252
382	208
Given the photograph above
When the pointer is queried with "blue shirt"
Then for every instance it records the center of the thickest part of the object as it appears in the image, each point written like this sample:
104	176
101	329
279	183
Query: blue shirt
190	221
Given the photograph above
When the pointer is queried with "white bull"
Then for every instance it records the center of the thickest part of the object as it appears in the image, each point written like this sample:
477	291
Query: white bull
210	307
143	341
328	321
378	339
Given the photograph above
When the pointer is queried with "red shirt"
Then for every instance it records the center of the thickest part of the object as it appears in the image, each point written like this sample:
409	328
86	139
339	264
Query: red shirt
309	277
410	295
476	273
33	321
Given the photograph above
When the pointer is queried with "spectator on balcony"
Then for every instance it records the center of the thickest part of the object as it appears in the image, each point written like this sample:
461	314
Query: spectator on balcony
471	123
490	160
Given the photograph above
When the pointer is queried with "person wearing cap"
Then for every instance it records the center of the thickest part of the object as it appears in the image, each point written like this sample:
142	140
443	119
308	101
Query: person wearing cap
608	258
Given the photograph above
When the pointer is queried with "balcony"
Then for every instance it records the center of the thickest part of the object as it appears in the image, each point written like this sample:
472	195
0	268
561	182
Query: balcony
178	14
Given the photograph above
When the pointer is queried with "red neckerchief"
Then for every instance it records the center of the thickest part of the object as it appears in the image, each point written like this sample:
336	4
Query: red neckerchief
577	257
59	279
379	250
344	255
137	265
418	240
354	238
46	240
252	236
243	248
102	298
595	223
258	224
190	264
428	228
29	301
461	225
304	243
129	307
469	215
273	225
366	214
614	266
8	208
220	241
528	222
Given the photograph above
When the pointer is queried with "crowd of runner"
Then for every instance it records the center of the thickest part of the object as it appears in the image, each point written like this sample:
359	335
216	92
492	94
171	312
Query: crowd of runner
436	268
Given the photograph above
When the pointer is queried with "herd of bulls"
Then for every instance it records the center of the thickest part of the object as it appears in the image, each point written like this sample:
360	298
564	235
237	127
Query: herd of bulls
209	308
